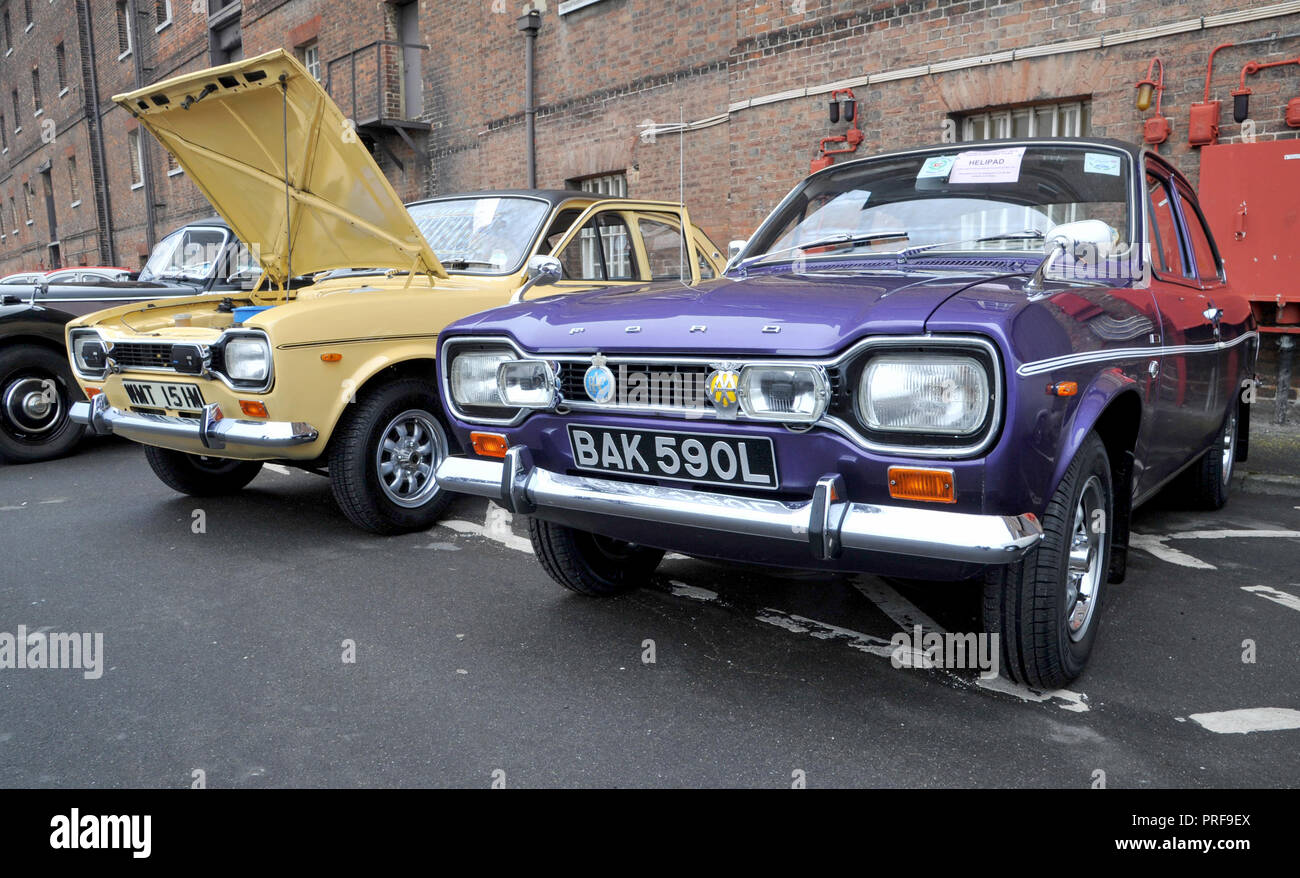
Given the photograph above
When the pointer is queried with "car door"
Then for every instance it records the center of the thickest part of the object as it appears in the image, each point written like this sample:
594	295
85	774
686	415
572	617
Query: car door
605	246
1224	319
1181	377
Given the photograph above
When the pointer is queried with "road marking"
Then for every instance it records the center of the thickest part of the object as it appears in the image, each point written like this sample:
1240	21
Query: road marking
1278	597
907	615
55	500
822	631
1250	719
694	592
496	527
278	468
1155	545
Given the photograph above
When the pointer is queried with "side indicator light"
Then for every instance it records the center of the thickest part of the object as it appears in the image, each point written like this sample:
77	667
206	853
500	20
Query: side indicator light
91	392
253	408
929	485
1064	388
330	358
489	444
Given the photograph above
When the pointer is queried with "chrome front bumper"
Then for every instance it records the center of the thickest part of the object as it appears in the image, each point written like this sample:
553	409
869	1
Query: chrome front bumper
826	523
211	430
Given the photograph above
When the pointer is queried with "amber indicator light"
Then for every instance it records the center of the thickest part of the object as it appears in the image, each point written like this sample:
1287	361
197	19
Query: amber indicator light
1063	388
253	408
489	444
331	358
929	485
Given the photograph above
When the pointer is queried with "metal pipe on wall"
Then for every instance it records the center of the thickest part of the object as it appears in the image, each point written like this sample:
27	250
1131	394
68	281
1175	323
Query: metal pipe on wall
530	24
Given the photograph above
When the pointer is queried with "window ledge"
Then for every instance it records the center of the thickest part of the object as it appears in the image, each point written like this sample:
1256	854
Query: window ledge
125	54
139	185
567	6
76	203
9	51
63	91
174	171
40	112
160	28
31	222
30	25
18	130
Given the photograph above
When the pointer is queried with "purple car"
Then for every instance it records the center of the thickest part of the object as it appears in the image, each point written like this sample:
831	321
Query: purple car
968	361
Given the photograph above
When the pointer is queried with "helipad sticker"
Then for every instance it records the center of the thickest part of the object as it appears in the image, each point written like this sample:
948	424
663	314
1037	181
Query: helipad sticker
936	166
987	166
1101	163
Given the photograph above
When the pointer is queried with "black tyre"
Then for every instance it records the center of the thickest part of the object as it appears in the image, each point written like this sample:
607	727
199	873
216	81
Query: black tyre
1205	484
590	564
200	476
1046	608
36	391
383	456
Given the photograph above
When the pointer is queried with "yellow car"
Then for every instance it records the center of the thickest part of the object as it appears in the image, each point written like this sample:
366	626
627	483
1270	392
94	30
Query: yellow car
338	374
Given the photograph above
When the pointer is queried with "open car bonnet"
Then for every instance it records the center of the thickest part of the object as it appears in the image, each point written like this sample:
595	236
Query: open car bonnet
227	128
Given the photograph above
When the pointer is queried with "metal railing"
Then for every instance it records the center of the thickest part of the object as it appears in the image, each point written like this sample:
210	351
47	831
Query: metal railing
369	83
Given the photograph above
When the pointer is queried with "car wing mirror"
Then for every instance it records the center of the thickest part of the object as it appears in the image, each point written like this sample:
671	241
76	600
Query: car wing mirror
1086	242
542	271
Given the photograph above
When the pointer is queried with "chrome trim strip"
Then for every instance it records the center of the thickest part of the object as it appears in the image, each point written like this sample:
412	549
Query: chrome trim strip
232	332
211	431
1038	367
927	533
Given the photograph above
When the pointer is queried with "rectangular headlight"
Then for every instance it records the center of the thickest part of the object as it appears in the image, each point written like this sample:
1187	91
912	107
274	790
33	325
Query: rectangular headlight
924	393
90	353
248	359
783	393
474	378
526	384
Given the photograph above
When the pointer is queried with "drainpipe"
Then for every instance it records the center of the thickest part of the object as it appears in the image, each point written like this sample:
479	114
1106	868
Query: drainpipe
146	165
530	24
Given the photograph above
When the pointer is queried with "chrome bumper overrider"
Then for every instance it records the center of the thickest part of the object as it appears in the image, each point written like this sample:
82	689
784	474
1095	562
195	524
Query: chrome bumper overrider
212	429
826	523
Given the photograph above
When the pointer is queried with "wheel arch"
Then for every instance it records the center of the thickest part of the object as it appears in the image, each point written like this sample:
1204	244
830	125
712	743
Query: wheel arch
1112	408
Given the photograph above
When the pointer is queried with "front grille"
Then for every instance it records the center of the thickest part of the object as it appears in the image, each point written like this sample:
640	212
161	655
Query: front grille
666	385
142	355
156	355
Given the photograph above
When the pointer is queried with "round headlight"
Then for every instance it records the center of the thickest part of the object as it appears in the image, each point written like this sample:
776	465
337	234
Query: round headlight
526	384
924	393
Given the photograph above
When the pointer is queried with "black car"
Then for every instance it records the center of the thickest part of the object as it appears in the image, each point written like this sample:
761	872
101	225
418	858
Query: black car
36	386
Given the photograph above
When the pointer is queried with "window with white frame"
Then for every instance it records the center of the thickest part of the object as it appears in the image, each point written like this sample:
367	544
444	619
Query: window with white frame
61	67
162	13
29	195
137	158
615	242
1059	119
309	55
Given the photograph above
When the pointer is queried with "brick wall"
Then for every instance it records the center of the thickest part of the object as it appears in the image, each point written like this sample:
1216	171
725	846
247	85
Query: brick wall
609	68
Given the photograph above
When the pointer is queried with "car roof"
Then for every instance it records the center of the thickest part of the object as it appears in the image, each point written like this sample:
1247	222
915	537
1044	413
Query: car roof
553	197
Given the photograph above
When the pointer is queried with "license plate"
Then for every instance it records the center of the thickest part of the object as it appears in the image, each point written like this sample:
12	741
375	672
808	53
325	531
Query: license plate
163	395
701	458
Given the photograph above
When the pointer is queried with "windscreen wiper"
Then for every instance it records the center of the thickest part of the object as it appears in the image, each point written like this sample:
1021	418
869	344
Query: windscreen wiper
1026	235
831	241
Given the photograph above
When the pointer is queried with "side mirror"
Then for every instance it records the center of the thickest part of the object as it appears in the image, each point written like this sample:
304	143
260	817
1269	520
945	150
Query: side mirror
734	248
542	271
1086	240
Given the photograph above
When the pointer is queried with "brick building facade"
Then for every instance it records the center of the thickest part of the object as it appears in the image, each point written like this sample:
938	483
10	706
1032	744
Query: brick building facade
750	78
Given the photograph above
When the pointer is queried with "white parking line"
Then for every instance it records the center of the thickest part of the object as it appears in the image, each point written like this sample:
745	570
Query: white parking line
496	527
1280	597
278	468
1155	544
1250	719
907	615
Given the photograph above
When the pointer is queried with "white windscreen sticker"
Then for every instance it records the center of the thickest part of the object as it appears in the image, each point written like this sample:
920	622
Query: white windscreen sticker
987	166
1101	163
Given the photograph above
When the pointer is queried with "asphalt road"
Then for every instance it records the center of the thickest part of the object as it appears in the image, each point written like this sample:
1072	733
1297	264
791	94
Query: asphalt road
223	653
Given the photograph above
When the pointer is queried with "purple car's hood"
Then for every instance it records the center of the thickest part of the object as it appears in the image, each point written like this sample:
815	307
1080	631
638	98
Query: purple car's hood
816	314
